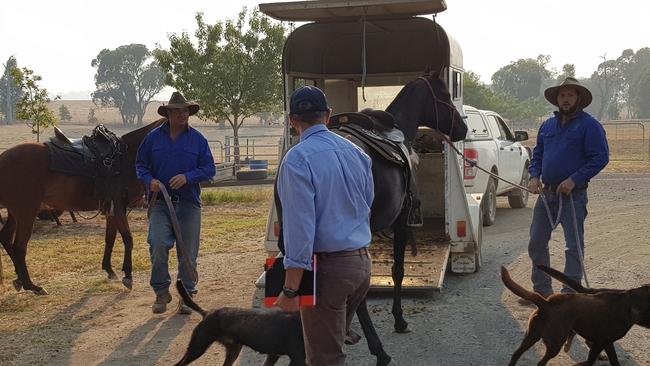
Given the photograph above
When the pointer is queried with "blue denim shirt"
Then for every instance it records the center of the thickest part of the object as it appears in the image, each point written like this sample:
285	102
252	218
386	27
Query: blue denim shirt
578	150
326	189
161	158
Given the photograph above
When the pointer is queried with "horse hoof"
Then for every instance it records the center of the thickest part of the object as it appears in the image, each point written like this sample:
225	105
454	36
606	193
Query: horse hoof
402	329
128	283
386	362
39	291
18	285
112	276
352	338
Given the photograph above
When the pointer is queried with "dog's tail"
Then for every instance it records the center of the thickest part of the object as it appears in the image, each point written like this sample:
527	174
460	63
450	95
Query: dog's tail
534	297
577	287
187	299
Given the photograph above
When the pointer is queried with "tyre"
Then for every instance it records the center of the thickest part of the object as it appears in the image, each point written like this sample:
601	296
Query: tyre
252	174
519	198
489	204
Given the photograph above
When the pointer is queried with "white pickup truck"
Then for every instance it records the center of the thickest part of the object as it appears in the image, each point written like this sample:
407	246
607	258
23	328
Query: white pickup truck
490	142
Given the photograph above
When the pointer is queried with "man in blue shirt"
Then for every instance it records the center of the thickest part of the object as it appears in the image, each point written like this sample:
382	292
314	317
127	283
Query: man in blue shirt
326	189
571	149
179	157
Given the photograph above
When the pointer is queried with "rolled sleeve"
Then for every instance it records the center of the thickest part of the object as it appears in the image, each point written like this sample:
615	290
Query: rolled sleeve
297	195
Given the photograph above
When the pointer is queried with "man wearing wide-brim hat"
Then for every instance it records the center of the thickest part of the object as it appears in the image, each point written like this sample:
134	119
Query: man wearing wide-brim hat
571	149
177	156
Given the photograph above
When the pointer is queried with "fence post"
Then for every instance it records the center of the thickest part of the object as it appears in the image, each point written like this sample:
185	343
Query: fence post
227	149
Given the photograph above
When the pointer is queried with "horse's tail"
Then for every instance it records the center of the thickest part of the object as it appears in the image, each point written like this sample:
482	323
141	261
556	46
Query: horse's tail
534	297
8	232
187	299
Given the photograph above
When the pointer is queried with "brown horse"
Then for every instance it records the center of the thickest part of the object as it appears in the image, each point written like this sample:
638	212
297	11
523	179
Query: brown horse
26	182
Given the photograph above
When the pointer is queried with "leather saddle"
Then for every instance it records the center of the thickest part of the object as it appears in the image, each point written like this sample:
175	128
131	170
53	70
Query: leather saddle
372	133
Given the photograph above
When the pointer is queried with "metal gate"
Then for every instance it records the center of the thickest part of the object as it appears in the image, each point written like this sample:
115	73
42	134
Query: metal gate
627	140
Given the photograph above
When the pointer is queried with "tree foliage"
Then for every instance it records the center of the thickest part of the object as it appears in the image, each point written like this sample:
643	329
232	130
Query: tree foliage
523	78
10	91
127	78
32	107
232	68
64	113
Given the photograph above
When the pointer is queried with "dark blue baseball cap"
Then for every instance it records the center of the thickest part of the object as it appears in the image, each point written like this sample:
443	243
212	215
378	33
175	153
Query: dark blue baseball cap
308	99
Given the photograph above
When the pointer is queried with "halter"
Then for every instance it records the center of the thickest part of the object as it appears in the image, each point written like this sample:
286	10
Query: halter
437	100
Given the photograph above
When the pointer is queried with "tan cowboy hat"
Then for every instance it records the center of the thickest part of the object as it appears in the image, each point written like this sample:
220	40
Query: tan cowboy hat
583	93
178	101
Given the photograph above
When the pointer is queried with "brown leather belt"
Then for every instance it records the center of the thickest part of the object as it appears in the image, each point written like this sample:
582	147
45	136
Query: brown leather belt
345	253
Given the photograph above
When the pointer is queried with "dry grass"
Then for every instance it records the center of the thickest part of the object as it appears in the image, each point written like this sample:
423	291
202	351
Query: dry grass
66	260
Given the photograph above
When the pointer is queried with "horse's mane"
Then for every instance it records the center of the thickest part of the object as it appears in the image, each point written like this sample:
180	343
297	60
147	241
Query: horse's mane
135	137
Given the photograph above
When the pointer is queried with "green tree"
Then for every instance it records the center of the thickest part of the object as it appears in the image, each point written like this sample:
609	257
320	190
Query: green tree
607	82
568	70
32	107
127	78
64	113
10	91
641	99
523	78
91	117
232	68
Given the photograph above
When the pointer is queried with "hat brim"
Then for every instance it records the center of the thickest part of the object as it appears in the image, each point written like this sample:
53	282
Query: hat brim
193	108
585	95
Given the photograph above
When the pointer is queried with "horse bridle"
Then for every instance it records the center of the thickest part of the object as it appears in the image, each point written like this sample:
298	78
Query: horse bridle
437	100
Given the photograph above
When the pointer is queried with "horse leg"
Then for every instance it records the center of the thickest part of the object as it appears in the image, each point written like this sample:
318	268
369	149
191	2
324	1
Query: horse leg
400	240
109	244
127	239
374	343
25	225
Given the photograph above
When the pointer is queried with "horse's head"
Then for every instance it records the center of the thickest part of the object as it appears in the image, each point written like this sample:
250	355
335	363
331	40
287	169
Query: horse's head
426	101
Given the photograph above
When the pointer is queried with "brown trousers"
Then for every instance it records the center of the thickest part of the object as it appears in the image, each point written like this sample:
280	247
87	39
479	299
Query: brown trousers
342	281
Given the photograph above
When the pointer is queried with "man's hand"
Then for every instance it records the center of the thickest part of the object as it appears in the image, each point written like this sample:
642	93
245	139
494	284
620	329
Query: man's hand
154	186
566	186
177	181
286	304
534	185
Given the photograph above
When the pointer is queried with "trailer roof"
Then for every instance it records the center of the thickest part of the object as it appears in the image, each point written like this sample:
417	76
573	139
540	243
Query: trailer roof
330	10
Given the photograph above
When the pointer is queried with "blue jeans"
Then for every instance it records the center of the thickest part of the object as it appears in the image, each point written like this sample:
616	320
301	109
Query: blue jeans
540	234
161	239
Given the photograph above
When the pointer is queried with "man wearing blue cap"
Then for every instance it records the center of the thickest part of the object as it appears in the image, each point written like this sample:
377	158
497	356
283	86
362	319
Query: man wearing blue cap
326	190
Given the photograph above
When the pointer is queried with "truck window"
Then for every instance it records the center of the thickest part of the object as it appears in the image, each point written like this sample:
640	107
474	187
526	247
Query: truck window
504	129
496	128
476	127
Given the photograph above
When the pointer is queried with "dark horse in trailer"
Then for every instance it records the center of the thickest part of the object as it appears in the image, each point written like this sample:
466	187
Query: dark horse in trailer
27	182
424	101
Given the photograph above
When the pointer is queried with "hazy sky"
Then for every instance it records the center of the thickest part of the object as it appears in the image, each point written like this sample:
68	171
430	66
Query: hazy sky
58	39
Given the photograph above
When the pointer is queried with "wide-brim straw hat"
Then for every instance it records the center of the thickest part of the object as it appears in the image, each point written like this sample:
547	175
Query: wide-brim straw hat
178	101
584	94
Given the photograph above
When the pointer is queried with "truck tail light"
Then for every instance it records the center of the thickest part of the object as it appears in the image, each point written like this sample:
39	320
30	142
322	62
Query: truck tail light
461	229
469	171
276	229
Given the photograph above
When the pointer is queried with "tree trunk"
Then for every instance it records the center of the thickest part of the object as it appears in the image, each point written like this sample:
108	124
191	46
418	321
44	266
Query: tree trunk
235	134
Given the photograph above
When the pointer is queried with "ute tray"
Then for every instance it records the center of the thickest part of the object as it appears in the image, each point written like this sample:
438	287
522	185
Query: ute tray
423	272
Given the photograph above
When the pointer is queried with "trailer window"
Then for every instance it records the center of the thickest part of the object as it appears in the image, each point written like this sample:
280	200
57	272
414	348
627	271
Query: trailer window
377	97
476	126
457	80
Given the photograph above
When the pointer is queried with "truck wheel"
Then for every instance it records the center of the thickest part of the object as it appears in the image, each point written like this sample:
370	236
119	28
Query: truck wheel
489	204
519	198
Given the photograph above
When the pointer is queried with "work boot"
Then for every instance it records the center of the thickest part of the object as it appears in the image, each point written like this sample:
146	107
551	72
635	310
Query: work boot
160	305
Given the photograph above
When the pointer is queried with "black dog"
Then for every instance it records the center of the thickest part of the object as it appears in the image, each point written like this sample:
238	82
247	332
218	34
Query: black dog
577	287
600	318
270	332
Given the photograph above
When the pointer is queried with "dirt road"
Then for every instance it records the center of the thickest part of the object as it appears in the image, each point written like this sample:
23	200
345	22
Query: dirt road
473	321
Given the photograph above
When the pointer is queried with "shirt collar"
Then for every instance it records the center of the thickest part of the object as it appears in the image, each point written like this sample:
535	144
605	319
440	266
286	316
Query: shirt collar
577	114
312	130
165	127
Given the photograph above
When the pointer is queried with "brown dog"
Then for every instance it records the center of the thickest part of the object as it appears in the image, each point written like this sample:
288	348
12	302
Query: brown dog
600	318
577	287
